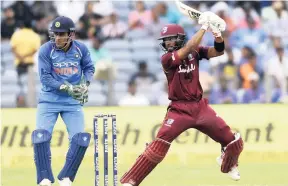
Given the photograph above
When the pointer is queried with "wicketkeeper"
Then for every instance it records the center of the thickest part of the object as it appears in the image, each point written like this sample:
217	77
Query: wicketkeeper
65	70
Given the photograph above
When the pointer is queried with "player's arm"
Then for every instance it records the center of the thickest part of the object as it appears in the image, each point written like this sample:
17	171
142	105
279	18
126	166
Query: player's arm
87	65
192	44
217	49
173	59
88	72
219	45
45	70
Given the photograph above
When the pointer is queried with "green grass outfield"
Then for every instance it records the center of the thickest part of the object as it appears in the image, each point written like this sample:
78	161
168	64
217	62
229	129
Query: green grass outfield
166	174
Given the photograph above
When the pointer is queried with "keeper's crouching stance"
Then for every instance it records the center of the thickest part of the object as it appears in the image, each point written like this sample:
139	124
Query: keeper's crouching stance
65	70
187	108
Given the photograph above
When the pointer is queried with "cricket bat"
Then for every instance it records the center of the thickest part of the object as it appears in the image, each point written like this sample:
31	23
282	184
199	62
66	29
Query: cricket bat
188	11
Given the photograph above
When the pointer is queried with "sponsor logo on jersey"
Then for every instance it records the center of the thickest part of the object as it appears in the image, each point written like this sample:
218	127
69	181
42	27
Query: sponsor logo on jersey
65	64
188	69
66	68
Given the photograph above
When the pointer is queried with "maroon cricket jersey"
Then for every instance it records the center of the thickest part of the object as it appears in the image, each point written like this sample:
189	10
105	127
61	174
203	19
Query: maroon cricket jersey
183	75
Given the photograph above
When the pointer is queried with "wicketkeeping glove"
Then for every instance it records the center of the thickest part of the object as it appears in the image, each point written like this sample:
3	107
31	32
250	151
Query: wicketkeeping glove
72	90
84	97
83	88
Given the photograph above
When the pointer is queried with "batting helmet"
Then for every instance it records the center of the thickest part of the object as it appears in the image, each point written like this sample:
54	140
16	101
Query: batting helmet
172	30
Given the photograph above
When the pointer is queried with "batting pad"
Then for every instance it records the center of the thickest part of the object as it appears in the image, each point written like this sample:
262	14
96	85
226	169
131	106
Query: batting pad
146	162
76	152
231	153
42	155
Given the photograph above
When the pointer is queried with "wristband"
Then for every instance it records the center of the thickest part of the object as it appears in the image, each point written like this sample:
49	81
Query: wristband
219	47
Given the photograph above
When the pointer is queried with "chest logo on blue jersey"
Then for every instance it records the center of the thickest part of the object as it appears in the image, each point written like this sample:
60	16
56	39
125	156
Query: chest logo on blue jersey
66	68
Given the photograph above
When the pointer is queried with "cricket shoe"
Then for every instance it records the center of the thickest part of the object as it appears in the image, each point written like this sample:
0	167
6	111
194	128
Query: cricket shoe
45	182
234	172
65	182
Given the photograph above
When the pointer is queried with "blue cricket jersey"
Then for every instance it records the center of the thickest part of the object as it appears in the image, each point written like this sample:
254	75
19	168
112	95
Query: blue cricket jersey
56	66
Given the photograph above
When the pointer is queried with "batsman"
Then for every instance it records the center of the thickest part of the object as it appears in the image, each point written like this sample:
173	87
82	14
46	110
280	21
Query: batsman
65	70
187	108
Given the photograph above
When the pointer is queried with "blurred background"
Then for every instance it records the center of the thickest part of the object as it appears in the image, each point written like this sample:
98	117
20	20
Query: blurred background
122	38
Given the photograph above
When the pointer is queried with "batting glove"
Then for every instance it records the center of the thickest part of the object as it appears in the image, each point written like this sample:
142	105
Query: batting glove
209	18
215	30
218	22
204	20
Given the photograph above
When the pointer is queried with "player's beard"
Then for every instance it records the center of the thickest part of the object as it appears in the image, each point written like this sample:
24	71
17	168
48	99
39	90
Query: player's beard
170	49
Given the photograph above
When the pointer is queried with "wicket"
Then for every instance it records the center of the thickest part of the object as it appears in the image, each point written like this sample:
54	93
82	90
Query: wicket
96	148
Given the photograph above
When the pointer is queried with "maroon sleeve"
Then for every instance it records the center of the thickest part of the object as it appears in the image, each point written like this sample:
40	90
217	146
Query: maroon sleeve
170	59
203	52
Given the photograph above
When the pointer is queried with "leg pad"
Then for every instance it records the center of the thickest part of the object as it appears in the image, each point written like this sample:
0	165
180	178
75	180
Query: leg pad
42	154
231	153
75	155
